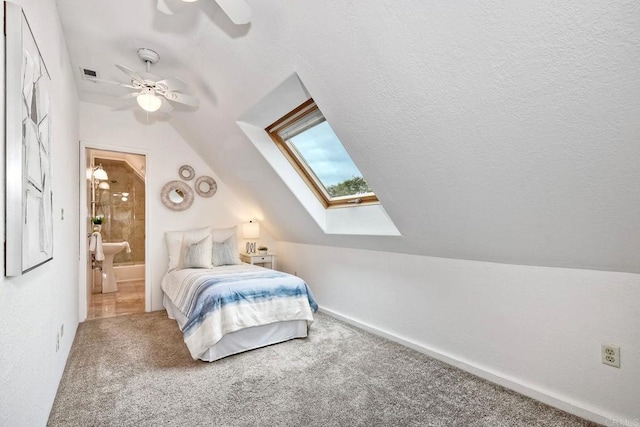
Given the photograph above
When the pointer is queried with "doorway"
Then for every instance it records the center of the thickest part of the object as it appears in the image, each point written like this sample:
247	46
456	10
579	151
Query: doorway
115	204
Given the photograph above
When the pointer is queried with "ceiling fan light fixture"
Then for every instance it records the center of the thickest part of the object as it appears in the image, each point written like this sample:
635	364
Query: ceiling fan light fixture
148	101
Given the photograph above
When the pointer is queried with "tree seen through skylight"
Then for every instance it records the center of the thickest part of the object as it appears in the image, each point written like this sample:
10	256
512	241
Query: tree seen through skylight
325	155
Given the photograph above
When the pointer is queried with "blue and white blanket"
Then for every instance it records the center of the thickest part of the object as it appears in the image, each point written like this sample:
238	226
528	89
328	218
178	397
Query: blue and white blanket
230	298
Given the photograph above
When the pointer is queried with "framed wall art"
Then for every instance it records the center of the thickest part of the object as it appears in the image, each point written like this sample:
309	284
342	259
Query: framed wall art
29	190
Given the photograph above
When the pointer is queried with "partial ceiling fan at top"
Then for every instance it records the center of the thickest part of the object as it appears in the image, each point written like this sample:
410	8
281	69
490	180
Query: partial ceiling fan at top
237	10
151	89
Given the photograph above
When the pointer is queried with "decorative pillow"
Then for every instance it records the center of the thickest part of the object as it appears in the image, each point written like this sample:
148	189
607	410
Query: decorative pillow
222	234
196	254
225	253
174	243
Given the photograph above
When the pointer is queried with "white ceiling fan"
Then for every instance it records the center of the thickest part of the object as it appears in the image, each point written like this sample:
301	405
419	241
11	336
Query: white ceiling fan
149	88
237	10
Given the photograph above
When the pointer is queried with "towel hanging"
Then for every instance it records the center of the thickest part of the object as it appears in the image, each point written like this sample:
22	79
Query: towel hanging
95	245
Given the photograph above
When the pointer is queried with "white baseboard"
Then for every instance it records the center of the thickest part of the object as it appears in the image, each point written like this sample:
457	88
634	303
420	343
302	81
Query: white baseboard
511	383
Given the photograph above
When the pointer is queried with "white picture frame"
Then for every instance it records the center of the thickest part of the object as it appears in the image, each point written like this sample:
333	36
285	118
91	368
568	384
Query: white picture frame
29	189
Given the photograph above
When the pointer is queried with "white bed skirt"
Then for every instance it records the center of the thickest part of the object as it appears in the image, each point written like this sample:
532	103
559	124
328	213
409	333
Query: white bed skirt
244	339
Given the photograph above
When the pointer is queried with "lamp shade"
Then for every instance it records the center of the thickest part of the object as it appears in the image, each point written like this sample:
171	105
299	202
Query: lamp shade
251	230
148	101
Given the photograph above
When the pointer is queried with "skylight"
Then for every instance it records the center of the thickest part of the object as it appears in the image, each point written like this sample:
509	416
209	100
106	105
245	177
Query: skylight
313	148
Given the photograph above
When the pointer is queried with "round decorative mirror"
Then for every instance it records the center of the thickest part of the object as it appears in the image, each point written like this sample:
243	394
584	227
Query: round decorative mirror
176	195
206	186
186	172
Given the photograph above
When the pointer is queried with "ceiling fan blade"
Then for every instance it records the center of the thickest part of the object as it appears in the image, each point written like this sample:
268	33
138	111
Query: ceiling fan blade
164	7
149	76
95	80
172	84
129	72
237	10
165	107
181	98
171	7
129	95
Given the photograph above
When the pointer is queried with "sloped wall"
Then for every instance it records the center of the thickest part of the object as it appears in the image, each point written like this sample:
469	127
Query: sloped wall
537	330
490	131
34	306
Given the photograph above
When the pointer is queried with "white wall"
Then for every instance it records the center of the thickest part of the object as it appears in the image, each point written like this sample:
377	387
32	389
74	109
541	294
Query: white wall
166	151
535	329
35	305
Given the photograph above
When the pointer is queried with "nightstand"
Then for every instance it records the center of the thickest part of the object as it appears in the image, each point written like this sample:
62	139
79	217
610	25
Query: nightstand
267	261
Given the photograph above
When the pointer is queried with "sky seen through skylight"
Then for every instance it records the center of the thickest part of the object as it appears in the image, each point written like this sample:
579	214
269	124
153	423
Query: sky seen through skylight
324	153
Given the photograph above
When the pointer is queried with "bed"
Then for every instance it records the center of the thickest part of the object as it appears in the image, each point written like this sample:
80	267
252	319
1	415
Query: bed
229	309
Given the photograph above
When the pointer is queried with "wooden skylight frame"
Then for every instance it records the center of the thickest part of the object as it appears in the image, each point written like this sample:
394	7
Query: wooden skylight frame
299	114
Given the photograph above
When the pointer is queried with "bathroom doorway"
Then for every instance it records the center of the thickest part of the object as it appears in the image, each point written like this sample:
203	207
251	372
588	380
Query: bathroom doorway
116	232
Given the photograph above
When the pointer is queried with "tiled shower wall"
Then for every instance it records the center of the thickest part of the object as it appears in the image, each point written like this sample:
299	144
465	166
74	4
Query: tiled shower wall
124	219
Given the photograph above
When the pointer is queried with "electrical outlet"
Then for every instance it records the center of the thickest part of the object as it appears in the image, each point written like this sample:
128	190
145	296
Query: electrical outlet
611	355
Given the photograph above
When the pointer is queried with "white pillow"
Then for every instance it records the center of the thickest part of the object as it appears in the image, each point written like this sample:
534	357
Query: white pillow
174	243
225	253
196	254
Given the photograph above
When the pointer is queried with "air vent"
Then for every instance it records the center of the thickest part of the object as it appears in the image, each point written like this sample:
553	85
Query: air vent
87	73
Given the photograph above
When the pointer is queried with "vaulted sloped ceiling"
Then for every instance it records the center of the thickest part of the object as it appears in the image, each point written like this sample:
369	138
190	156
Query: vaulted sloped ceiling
496	131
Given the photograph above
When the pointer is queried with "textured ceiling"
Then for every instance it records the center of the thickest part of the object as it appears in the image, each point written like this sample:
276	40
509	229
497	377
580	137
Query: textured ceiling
490	131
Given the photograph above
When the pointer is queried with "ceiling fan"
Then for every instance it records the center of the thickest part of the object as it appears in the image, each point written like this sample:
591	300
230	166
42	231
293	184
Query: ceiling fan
149	88
237	10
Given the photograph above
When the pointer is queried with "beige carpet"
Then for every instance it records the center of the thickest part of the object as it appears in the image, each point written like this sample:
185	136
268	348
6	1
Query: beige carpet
136	371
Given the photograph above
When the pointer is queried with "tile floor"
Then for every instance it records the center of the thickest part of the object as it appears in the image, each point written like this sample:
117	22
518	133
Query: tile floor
128	299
